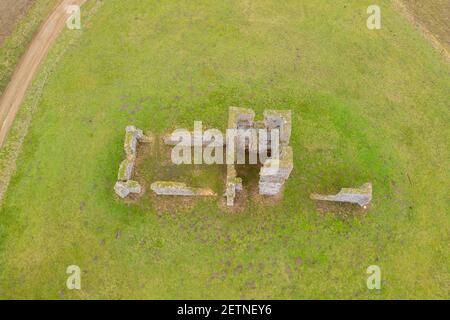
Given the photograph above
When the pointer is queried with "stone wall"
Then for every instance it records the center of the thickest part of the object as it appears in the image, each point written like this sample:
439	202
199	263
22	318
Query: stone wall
125	185
274	173
238	118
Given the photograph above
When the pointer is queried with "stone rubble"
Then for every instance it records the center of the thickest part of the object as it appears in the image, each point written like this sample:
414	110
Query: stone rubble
126	169
361	196
124	188
132	136
275	172
238	118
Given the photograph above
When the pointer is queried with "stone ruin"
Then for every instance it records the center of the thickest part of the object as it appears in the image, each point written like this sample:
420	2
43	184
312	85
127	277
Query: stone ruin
273	173
171	188
361	196
125	183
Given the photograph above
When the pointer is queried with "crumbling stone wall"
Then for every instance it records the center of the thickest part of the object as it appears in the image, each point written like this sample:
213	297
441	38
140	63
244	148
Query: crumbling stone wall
238	118
171	188
275	172
125	185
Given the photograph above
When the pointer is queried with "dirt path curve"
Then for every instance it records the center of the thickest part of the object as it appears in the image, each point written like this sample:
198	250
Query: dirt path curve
427	33
26	69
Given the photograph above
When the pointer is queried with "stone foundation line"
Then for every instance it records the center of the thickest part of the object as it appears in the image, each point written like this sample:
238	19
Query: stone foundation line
125	185
172	188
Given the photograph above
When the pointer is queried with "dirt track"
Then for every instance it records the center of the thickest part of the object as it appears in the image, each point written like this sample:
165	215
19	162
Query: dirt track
26	69
431	20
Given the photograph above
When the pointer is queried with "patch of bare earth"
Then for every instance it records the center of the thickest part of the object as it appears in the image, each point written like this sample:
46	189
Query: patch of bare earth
11	11
340	209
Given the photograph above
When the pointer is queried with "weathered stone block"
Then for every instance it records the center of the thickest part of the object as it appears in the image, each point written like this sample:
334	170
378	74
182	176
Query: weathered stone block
126	170
137	132
230	194
124	188
130	144
270	188
171	188
361	196
279	119
272	178
233	185
240	118
132	135
247	139
279	167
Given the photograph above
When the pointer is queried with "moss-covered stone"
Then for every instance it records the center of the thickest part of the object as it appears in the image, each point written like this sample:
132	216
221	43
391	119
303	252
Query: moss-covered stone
126	170
124	188
132	136
240	118
274	172
172	188
279	119
279	167
233	184
130	144
270	188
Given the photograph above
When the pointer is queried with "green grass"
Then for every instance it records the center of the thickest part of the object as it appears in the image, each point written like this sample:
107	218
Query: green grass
15	44
367	106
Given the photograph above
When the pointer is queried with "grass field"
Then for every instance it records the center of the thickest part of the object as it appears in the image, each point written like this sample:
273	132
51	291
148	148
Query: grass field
367	106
